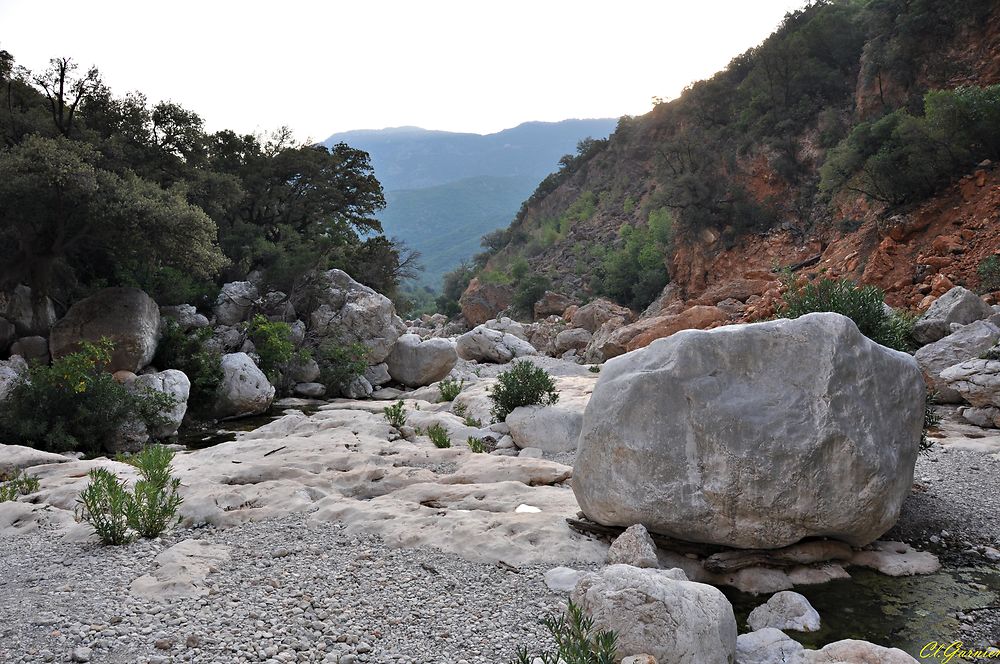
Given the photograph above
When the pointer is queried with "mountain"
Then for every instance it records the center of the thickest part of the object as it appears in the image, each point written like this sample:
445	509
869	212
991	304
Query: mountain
444	190
858	141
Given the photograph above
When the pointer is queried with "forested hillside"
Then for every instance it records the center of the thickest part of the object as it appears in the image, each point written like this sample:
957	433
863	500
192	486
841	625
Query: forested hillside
852	118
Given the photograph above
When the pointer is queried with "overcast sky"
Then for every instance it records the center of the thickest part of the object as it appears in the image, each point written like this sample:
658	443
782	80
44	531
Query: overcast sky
458	65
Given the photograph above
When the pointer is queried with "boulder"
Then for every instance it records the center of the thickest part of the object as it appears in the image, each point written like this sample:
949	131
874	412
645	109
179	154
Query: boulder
958	305
987	417
277	306
603	345
595	314
688	435
852	651
32	349
310	390
977	381
633	547
378	374
485	345
967	343
768	646
483	301
187	316
785	610
507	325
551	304
234	302
660	613
7	335
357	388
641	334
416	363
347	312
301	370
15	458
29	316
172	382
563	579
244	389
575	338
126	316
554	428
10	373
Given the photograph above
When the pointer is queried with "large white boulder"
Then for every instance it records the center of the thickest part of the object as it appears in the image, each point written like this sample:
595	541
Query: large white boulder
969	342
171	382
126	316
416	363
754	436
977	381
344	310
660	613
484	344
554	428
234	302
785	610
244	389
959	305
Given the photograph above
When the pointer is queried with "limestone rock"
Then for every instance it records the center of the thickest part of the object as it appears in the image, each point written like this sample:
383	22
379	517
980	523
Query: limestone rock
29	316
851	651
357	388
301	370
978	381
661	613
14	458
551	304
244	389
785	610
32	349
485	345
187	316
126	316
554	428
310	390
417	363
633	547
603	346
575	338
349	312
958	305
10	373
687	435
986	418
180	571
896	559
644	332
482	301
234	302
563	579
967	343
172	382
378	374
768	646
595	314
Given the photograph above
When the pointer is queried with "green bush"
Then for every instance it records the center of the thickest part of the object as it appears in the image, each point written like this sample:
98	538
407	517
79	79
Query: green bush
273	343
152	507
339	364
104	505
187	353
75	404
576	641
865	305
991	354
989	274
635	273
21	484
523	384
529	290
931	420
476	444
450	388
395	414
439	436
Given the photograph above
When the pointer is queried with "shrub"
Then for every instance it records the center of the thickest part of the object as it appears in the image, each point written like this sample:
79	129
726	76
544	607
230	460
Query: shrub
991	354
635	272
154	501
989	274
187	353
529	290
104	505
339	364
931	420
395	414
865	305
74	404
594	368
476	444
576	641
439	436
523	384
272	340
20	485
474	422
450	389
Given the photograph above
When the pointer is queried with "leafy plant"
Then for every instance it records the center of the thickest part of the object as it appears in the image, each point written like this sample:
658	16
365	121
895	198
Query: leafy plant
450	388
989	274
459	409
634	272
931	419
21	484
273	342
104	505
395	414
576	641
991	354
154	501
339	363
75	404
188	353
529	290
523	384
594	368
473	421
477	445
439	436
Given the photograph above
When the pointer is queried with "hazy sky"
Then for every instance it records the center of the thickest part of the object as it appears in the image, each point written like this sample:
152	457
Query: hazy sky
459	65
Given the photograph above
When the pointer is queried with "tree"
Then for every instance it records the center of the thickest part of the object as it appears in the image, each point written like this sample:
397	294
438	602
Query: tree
65	91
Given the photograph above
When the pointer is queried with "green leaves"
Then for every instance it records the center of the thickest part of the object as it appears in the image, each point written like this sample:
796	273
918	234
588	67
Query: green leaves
576	641
523	384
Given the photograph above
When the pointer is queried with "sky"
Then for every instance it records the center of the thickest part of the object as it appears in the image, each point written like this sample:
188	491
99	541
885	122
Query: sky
328	66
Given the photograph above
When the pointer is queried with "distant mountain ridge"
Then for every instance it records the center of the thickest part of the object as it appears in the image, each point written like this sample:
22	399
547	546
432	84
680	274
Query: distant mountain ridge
445	190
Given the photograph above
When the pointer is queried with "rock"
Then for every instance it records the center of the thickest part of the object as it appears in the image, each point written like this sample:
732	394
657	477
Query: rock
244	389
310	390
967	343
575	338
633	547
482	301
10	373
982	417
180	571
530	453
551	304
80	654
234	303
32	349
7	335
226	339
485	345
640	334
172	382
187	316
297	333
554	428
768	646
928	331
277	306
30	317
896	559
977	381
14	458
417	363
126	316
595	314
507	325
603	345
688	435
661	613
850	651
785	610
348	312
357	388
378	374
130	437
639	659
563	579
958	305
